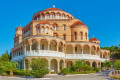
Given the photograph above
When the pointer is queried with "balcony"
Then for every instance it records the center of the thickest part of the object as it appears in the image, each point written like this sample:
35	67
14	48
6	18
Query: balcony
44	53
82	56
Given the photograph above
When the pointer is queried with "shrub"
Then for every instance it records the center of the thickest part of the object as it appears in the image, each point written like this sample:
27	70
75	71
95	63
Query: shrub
96	69
65	71
19	72
117	64
39	73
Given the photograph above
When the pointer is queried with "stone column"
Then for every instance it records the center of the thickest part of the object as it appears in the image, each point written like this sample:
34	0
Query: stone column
24	64
30	48
82	50
64	64
48	46
58	66
91	64
25	49
90	51
63	48
57	47
102	55
49	66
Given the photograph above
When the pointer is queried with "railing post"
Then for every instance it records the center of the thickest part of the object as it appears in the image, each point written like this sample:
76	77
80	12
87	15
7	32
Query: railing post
82	51
57	48
25	49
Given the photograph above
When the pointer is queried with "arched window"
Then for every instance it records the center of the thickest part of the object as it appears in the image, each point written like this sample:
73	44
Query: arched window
55	28
43	17
58	16
75	35
64	36
86	36
64	27
48	16
53	15
46	30
81	35
42	29
63	16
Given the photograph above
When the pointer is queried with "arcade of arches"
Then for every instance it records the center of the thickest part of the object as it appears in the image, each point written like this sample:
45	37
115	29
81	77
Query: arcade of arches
56	64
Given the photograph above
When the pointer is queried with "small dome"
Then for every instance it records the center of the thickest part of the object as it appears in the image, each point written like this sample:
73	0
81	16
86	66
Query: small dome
53	9
77	23
94	39
44	22
20	27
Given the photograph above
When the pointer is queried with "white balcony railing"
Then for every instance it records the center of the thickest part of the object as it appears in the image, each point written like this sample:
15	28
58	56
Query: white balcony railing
57	54
44	53
82	56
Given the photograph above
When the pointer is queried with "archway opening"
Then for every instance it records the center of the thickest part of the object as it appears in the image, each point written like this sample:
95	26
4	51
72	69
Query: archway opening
44	44
69	64
61	64
77	49
86	49
53	45
54	65
93	50
60	47
94	64
69	49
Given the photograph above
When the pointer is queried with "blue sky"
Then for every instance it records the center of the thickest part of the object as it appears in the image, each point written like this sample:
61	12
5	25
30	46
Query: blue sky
102	17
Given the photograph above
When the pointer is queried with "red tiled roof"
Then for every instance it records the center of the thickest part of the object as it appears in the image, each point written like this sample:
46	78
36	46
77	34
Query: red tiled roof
44	22
93	39
53	9
78	23
20	27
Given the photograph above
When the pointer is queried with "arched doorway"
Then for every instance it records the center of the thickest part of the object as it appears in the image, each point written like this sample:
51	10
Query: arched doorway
94	64
69	64
60	47
54	65
93	50
61	64
86	49
44	44
69	49
77	49
53	45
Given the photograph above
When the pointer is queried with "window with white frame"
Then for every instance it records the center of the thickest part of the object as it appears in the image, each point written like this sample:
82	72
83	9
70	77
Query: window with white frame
53	15
64	27
46	30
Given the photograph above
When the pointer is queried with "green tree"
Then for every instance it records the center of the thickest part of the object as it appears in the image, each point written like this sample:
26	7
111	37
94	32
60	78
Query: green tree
79	66
38	64
117	64
107	64
5	57
10	66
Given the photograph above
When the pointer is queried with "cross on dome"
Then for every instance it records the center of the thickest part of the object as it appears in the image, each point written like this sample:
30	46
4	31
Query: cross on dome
53	6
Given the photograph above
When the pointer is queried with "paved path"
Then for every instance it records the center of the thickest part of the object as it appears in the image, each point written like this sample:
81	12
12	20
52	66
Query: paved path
96	76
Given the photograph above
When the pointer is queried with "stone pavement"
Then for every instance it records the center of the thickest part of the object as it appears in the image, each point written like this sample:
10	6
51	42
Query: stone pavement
93	76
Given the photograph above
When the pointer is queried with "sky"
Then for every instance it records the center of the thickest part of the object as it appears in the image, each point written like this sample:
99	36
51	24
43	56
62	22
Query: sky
101	16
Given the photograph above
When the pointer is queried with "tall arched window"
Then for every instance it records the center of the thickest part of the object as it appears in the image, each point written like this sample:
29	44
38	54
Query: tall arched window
48	16
81	35
43	16
47	30
86	36
58	16
42	29
64	36
75	35
64	27
55	27
53	15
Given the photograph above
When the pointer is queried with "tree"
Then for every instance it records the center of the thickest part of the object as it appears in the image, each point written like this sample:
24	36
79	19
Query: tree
107	64
79	66
38	64
10	66
5	57
117	64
